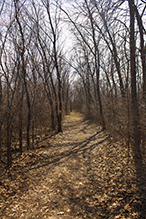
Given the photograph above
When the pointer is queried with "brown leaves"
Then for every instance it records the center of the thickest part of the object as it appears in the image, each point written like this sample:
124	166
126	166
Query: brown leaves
79	175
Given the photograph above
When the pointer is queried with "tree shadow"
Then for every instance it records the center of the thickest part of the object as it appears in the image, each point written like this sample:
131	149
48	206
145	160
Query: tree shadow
140	167
82	200
74	124
74	150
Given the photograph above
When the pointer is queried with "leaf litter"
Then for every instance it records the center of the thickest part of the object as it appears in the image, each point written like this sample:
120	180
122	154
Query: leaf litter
80	173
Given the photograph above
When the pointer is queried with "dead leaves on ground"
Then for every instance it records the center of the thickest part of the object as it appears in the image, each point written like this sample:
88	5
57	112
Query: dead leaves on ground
80	174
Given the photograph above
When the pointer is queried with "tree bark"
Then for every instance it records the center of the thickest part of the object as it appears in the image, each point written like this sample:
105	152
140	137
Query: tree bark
134	102
59	114
22	53
0	117
142	50
97	66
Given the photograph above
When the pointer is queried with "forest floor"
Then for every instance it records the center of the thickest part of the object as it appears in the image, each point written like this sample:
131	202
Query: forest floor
80	173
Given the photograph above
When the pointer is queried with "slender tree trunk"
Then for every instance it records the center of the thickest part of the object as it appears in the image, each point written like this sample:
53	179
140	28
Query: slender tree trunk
20	125
52	119
28	122
142	50
99	100
134	102
143	55
137	155
88	99
59	113
67	100
0	117
51	103
9	158
22	53
97	65
113	50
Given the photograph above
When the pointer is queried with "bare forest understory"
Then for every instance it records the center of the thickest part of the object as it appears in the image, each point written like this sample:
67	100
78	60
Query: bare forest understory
80	173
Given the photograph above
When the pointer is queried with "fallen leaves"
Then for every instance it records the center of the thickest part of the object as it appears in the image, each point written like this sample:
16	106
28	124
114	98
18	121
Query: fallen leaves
81	174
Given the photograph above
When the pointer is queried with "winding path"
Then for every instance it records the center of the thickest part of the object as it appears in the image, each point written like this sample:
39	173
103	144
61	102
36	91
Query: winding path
79	173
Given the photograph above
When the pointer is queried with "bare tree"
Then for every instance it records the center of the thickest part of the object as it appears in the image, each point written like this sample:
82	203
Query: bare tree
22	50
56	64
142	31
134	101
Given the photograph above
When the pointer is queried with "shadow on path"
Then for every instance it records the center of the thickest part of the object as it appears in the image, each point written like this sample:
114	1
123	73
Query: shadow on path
74	150
140	168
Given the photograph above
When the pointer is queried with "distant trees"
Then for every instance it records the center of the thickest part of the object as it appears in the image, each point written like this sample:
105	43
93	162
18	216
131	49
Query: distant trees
109	60
33	71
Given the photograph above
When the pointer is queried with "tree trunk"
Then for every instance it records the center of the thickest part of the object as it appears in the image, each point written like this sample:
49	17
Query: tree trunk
58	108
97	65
9	158
142	50
22	53
20	124
0	117
99	100
134	102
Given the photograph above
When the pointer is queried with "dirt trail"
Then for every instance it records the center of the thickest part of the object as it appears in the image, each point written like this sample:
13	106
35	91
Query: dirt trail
79	173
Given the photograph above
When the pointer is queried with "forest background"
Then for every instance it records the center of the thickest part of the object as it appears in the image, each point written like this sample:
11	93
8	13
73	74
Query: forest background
59	56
